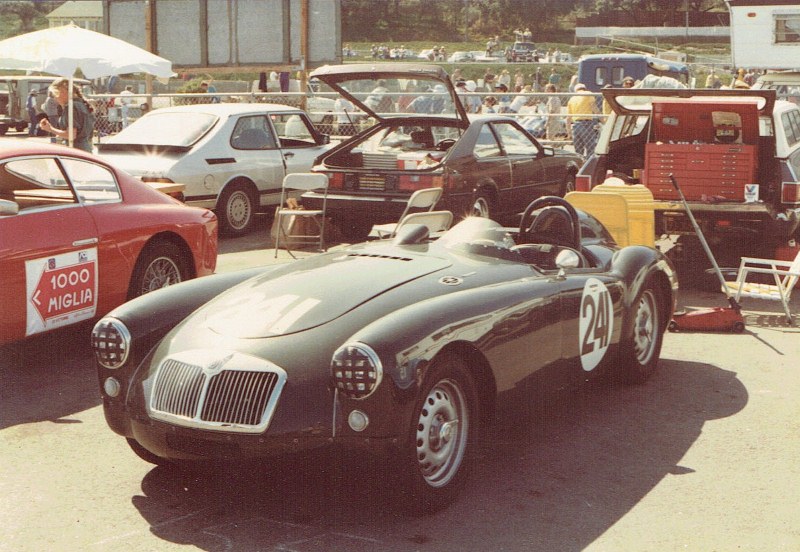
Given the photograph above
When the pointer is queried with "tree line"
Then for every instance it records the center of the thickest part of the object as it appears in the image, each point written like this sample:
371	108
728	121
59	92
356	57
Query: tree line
455	20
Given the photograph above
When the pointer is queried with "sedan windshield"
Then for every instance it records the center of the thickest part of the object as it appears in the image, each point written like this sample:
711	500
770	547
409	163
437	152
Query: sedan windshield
166	129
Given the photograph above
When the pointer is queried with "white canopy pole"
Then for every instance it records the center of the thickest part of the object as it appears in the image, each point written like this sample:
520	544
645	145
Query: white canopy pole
70	122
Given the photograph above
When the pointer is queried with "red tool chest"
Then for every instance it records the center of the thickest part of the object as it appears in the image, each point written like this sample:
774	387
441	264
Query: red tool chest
709	147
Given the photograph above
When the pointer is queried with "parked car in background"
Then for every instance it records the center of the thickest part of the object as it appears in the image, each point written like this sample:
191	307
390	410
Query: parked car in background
398	348
79	237
487	165
461	57
523	51
231	157
785	83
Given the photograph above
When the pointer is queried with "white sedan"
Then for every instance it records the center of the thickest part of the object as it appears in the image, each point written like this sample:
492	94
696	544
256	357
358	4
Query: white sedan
231	157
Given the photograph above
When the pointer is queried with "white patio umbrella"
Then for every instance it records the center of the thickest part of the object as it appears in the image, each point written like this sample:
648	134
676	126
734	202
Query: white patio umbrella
63	50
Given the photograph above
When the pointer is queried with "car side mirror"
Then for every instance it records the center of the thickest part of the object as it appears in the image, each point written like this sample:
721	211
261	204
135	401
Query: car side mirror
567	259
548	151
325	139
8	208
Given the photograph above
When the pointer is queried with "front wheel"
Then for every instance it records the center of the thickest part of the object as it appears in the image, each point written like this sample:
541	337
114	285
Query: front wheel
235	210
160	265
439	449
641	349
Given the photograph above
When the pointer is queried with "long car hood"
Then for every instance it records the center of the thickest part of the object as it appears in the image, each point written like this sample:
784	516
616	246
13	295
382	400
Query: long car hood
308	293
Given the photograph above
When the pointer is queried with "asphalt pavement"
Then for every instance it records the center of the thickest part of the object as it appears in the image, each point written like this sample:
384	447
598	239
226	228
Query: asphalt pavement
702	457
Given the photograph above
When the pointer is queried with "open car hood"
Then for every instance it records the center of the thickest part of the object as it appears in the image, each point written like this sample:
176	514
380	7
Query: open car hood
309	293
367	85
632	101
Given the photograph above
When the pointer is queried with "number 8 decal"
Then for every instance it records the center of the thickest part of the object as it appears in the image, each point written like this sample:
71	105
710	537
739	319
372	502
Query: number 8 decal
596	323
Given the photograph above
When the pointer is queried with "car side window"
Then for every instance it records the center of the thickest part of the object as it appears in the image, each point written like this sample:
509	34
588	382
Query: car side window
515	141
253	133
791	126
35	183
486	145
92	182
294	130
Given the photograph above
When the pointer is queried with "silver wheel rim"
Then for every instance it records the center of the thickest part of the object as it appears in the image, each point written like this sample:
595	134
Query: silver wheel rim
160	273
480	208
238	210
441	436
645	327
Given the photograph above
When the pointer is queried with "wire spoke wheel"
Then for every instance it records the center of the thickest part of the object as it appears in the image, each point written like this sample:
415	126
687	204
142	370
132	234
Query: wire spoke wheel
160	273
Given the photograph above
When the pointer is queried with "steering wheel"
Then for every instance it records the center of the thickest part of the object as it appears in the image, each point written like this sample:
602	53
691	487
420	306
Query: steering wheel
527	222
445	144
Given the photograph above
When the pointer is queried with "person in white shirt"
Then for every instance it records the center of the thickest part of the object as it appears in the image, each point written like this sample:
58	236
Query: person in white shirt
126	99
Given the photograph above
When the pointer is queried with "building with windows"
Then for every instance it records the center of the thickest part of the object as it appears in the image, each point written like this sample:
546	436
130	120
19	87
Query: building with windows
87	14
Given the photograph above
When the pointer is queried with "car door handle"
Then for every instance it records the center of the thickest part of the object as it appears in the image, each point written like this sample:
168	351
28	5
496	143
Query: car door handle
87	241
288	154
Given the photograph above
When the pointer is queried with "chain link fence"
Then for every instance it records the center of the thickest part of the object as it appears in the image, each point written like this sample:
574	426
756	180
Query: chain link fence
543	115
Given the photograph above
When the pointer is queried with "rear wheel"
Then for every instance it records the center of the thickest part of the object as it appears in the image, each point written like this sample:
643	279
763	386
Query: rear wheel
641	349
439	450
483	206
236	210
160	265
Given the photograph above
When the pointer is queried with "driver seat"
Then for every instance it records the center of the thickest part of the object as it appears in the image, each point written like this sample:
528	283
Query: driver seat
553	225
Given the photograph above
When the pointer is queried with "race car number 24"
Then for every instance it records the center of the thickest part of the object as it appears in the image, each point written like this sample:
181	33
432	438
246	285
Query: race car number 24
596	323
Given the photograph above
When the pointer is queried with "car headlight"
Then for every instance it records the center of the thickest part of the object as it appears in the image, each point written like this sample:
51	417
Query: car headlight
357	370
111	342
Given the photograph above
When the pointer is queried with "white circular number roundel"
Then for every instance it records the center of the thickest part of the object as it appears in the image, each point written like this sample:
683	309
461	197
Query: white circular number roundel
596	323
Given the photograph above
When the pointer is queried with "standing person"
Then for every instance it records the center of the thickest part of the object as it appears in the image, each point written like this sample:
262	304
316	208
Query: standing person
553	109
51	109
126	99
344	116
30	104
207	87
554	77
581	111
82	116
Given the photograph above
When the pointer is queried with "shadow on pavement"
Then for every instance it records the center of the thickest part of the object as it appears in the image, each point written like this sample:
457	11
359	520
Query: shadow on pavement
568	466
48	377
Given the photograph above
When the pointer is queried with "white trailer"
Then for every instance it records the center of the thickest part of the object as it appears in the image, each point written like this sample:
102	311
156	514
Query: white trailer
765	34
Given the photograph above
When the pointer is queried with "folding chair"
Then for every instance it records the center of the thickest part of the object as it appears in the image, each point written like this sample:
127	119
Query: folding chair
436	221
421	199
785	274
302	182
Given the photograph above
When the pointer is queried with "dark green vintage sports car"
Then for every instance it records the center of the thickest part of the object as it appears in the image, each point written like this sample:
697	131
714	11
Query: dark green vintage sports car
403	344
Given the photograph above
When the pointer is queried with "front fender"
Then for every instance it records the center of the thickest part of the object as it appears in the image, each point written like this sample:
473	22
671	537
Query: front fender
635	266
161	310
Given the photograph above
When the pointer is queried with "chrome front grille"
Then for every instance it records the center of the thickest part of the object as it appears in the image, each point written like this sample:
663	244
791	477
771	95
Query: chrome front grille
204	389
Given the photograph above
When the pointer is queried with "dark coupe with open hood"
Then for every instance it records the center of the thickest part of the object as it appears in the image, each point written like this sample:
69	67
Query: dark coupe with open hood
406	344
487	165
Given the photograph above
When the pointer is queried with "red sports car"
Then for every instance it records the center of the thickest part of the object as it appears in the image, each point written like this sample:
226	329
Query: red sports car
78	238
